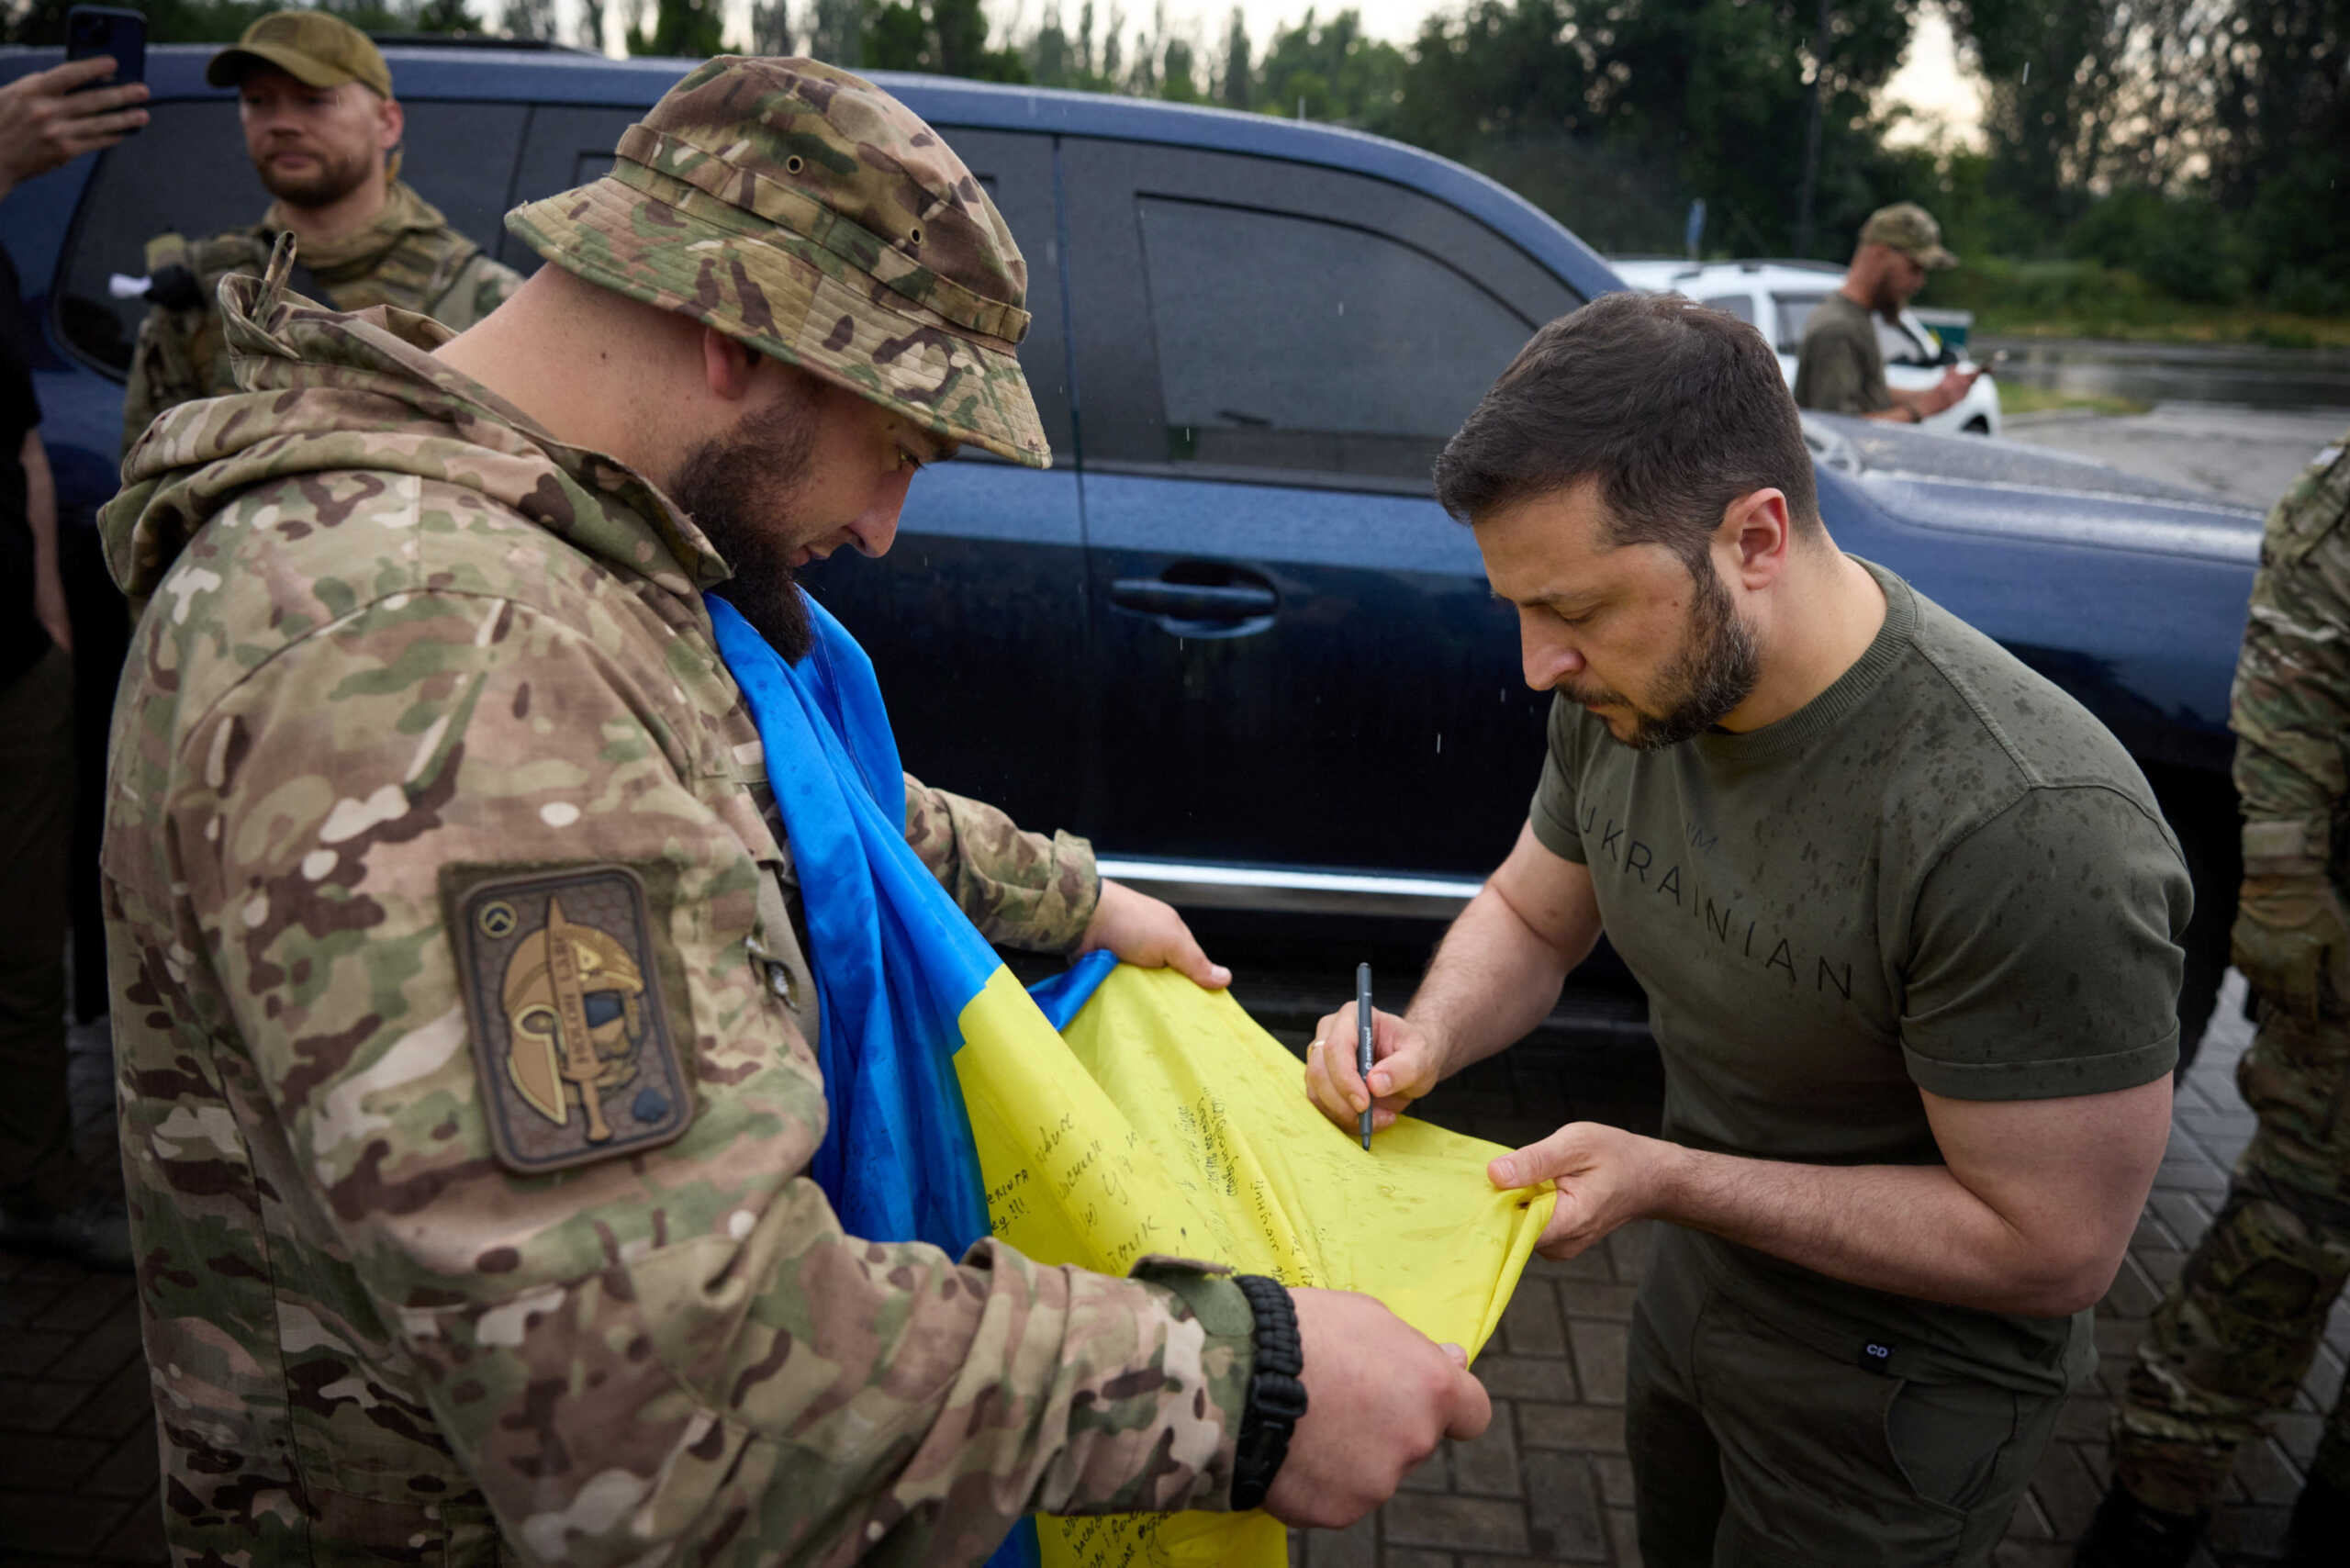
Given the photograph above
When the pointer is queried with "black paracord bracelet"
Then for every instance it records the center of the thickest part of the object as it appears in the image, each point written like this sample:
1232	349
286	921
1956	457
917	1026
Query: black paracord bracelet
1276	1397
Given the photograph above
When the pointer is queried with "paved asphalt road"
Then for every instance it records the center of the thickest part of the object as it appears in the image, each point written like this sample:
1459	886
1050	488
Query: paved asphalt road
2248	456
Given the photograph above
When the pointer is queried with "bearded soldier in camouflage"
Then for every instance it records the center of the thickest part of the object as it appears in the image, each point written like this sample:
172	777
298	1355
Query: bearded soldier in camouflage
464	1017
320	123
2231	1340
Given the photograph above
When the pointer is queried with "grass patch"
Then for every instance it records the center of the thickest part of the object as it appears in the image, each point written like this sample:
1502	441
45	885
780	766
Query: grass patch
2177	324
2015	399
2079	299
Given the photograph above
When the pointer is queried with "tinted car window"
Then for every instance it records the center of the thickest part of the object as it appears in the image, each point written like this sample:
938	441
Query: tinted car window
1739	305
188	171
1795	314
1366	371
1206	290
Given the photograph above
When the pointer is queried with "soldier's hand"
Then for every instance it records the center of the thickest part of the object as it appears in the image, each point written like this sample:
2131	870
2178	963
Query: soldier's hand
43	121
1405	1064
1146	933
1379	1395
2292	942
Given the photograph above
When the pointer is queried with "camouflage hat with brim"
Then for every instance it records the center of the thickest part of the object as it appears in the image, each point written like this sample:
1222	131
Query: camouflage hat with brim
1910	230
315	48
807	214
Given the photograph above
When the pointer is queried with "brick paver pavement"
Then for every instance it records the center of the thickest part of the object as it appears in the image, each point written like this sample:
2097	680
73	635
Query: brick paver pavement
1547	1484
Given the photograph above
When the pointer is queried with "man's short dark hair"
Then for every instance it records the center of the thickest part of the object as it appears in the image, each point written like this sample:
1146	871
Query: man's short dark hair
1676	411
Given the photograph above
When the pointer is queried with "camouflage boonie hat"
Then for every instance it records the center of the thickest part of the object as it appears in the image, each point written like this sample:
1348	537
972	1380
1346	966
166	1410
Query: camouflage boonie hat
315	48
1910	230
805	212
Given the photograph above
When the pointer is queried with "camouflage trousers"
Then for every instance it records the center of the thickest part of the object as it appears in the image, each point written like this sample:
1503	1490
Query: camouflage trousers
2231	1340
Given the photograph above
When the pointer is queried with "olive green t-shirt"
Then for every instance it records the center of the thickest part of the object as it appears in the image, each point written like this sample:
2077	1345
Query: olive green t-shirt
1841	369
1940	874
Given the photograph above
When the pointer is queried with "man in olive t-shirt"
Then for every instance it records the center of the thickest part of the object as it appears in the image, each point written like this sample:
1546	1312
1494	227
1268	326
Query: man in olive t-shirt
1908	920
1840	368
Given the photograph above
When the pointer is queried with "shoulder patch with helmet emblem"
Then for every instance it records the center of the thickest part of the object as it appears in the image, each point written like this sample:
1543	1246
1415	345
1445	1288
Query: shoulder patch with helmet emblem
571	1034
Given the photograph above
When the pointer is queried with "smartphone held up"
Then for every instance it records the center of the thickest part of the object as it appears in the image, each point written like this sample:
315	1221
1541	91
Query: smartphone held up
94	30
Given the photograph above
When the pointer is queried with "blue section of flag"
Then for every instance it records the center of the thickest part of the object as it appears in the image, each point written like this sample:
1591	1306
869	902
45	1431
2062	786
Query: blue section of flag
896	960
1064	996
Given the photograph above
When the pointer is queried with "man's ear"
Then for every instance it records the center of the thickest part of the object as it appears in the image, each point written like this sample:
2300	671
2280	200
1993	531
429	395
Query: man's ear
727	366
391	124
1758	533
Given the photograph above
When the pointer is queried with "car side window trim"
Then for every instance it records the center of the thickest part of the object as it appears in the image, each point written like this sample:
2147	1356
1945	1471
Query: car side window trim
1115	319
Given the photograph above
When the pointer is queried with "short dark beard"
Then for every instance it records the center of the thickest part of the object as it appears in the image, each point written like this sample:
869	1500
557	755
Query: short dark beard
727	488
1716	670
333	182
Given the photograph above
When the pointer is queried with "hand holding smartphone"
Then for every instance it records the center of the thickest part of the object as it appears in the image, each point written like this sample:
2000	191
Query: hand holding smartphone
48	118
110	30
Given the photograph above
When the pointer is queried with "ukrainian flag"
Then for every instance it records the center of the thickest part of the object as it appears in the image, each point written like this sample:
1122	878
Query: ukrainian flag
1144	1115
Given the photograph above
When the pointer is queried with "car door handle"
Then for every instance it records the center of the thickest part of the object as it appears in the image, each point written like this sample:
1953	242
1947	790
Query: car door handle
1193	601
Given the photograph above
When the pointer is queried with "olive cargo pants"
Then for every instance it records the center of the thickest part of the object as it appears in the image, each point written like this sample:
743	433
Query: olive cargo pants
1751	1448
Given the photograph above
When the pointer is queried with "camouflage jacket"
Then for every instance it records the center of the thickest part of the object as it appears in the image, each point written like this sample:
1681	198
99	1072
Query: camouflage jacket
392	630
2290	707
408	258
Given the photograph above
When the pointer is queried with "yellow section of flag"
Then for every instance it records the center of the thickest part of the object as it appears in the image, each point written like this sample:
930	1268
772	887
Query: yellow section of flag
1165	1120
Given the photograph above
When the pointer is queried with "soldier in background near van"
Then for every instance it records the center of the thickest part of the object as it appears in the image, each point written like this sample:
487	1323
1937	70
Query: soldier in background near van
2236	1333
1841	369
323	129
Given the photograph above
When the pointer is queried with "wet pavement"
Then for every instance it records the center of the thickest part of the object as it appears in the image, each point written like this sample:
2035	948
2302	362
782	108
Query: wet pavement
2244	454
1548	1483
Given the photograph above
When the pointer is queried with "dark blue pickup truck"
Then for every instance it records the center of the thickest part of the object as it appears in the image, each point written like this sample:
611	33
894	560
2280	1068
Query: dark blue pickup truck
1229	635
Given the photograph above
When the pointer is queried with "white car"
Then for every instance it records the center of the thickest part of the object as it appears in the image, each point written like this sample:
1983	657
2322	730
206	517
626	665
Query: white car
1778	296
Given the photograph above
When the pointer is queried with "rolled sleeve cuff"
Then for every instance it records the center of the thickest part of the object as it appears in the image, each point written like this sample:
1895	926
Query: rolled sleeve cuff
1075	872
2044	1077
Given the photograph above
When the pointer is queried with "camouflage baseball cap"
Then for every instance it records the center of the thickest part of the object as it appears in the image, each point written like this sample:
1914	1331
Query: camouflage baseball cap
807	214
1910	230
312	47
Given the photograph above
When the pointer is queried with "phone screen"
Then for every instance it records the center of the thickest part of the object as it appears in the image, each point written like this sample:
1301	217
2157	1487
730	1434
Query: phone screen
93	30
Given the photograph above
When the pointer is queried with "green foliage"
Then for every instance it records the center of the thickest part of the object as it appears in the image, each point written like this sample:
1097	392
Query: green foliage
771	28
1237	81
693	29
1330	72
2183	244
446	16
528	20
2203	144
948	37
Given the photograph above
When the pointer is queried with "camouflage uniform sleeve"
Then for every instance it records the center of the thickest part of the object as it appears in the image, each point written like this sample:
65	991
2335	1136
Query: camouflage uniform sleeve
2291	706
676	1354
164	374
1022	889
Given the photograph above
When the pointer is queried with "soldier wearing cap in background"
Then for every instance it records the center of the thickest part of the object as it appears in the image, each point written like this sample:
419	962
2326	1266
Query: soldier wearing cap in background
2238	1329
323	131
1841	369
423	641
